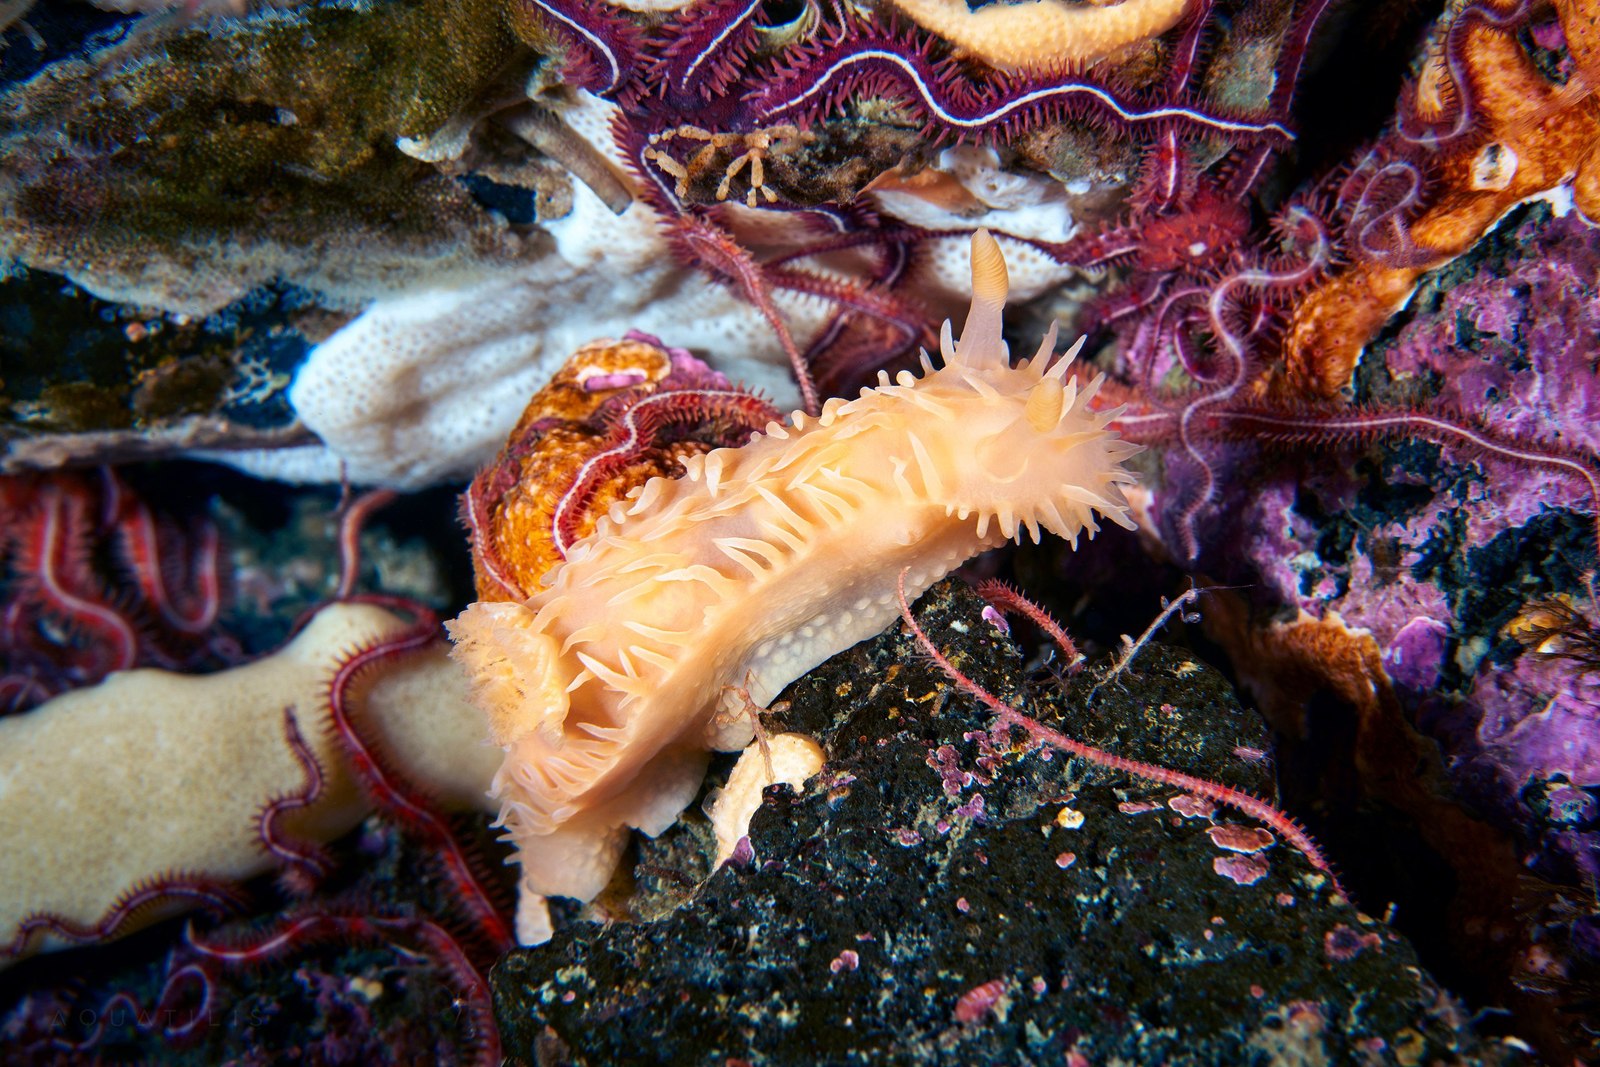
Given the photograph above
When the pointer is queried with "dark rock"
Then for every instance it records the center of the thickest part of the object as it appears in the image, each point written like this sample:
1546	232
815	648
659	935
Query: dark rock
943	895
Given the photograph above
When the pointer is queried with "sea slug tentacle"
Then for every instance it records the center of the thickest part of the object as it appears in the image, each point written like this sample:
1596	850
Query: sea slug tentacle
604	687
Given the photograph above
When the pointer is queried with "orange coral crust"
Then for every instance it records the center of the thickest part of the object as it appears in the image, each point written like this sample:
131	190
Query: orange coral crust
559	431
1044	35
604	687
1529	135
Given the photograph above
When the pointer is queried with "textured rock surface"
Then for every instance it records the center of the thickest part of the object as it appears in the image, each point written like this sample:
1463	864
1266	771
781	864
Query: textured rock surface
204	159
1438	559
938	896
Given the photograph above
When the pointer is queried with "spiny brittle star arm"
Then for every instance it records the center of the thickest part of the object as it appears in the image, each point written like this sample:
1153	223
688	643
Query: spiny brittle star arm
1008	716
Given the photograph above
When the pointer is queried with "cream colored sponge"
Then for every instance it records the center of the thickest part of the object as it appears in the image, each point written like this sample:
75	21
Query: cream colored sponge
152	773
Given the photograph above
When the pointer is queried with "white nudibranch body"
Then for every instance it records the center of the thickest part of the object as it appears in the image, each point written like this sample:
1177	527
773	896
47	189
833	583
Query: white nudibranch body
606	688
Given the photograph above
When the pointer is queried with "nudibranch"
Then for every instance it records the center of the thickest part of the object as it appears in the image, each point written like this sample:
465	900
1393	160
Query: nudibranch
609	686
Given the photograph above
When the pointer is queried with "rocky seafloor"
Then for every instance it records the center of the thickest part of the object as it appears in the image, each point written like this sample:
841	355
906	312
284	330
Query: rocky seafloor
945	893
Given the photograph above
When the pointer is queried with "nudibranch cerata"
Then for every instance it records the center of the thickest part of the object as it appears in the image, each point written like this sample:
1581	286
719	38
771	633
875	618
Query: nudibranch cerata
607	688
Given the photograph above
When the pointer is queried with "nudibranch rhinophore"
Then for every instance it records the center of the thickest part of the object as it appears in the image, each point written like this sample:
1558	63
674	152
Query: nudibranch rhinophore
607	687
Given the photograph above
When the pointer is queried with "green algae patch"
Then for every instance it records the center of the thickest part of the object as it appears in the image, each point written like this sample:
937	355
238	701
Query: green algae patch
184	166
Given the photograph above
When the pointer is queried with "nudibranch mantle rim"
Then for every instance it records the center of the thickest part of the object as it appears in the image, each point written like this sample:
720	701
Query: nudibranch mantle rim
608	687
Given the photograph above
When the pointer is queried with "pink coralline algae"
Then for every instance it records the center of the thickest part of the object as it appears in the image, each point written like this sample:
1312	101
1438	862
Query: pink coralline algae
1346	943
946	761
1246	839
978	1002
1191	807
1244	870
1435	552
1467	575
1518	347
